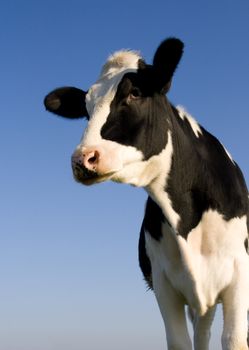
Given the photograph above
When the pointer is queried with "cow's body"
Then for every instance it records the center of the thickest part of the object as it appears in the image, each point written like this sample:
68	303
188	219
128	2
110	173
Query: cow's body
194	237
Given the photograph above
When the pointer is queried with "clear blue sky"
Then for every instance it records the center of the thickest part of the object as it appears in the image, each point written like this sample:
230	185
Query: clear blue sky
69	277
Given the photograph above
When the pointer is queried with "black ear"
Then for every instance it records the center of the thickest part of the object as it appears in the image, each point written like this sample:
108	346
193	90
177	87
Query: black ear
165	61
68	102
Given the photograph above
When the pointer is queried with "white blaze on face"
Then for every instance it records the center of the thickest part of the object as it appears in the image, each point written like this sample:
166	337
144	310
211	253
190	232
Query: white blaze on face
101	94
114	156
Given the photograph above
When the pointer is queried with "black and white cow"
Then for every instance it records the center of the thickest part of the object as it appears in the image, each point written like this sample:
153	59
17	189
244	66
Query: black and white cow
193	247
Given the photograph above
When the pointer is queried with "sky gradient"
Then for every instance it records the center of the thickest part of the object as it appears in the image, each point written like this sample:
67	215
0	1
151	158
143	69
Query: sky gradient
69	276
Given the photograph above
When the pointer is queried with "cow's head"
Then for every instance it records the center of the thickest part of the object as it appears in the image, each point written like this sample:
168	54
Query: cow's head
128	116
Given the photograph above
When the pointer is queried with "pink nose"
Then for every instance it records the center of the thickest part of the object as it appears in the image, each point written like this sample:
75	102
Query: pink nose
91	159
88	160
96	161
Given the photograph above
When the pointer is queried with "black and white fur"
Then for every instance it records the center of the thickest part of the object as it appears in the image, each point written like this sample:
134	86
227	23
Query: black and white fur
194	236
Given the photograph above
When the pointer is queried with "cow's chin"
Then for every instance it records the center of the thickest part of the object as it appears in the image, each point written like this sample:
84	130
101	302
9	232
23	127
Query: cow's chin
115	176
95	179
139	174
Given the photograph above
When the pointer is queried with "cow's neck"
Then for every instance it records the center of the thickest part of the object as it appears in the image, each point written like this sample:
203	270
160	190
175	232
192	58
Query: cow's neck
158	189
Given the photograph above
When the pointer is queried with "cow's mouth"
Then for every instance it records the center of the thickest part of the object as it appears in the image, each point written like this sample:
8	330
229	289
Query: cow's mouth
83	175
89	177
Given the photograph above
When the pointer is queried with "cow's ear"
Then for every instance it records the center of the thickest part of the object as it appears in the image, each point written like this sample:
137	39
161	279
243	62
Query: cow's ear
165	61
68	102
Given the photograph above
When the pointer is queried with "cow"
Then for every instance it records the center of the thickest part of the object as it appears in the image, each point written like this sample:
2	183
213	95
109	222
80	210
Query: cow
193	245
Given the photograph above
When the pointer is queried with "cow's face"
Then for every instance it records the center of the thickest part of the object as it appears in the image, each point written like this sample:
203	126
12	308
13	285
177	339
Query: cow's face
127	114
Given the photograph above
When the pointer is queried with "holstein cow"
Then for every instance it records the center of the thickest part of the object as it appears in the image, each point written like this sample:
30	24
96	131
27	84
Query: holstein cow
193	246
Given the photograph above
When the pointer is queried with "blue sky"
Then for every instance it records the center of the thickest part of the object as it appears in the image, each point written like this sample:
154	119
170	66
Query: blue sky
69	277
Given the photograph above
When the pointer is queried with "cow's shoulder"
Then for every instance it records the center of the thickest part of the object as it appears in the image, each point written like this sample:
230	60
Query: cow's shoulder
203	175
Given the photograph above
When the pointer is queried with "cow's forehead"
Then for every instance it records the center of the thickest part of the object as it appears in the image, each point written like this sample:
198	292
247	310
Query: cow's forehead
119	61
118	64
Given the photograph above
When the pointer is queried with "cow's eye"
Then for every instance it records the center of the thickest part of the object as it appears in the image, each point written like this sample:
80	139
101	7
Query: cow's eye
135	93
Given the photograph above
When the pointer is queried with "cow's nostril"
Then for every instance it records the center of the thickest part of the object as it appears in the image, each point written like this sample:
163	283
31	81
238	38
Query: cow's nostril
93	158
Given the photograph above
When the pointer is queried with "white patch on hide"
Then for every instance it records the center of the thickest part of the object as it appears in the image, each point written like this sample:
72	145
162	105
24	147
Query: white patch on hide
228	154
212	258
151	174
193	123
120	60
157	188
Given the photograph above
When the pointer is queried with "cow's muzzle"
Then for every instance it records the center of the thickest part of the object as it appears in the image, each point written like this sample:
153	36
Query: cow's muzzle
84	166
96	163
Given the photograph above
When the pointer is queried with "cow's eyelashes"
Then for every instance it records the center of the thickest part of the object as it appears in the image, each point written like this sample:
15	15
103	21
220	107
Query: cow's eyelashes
135	93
